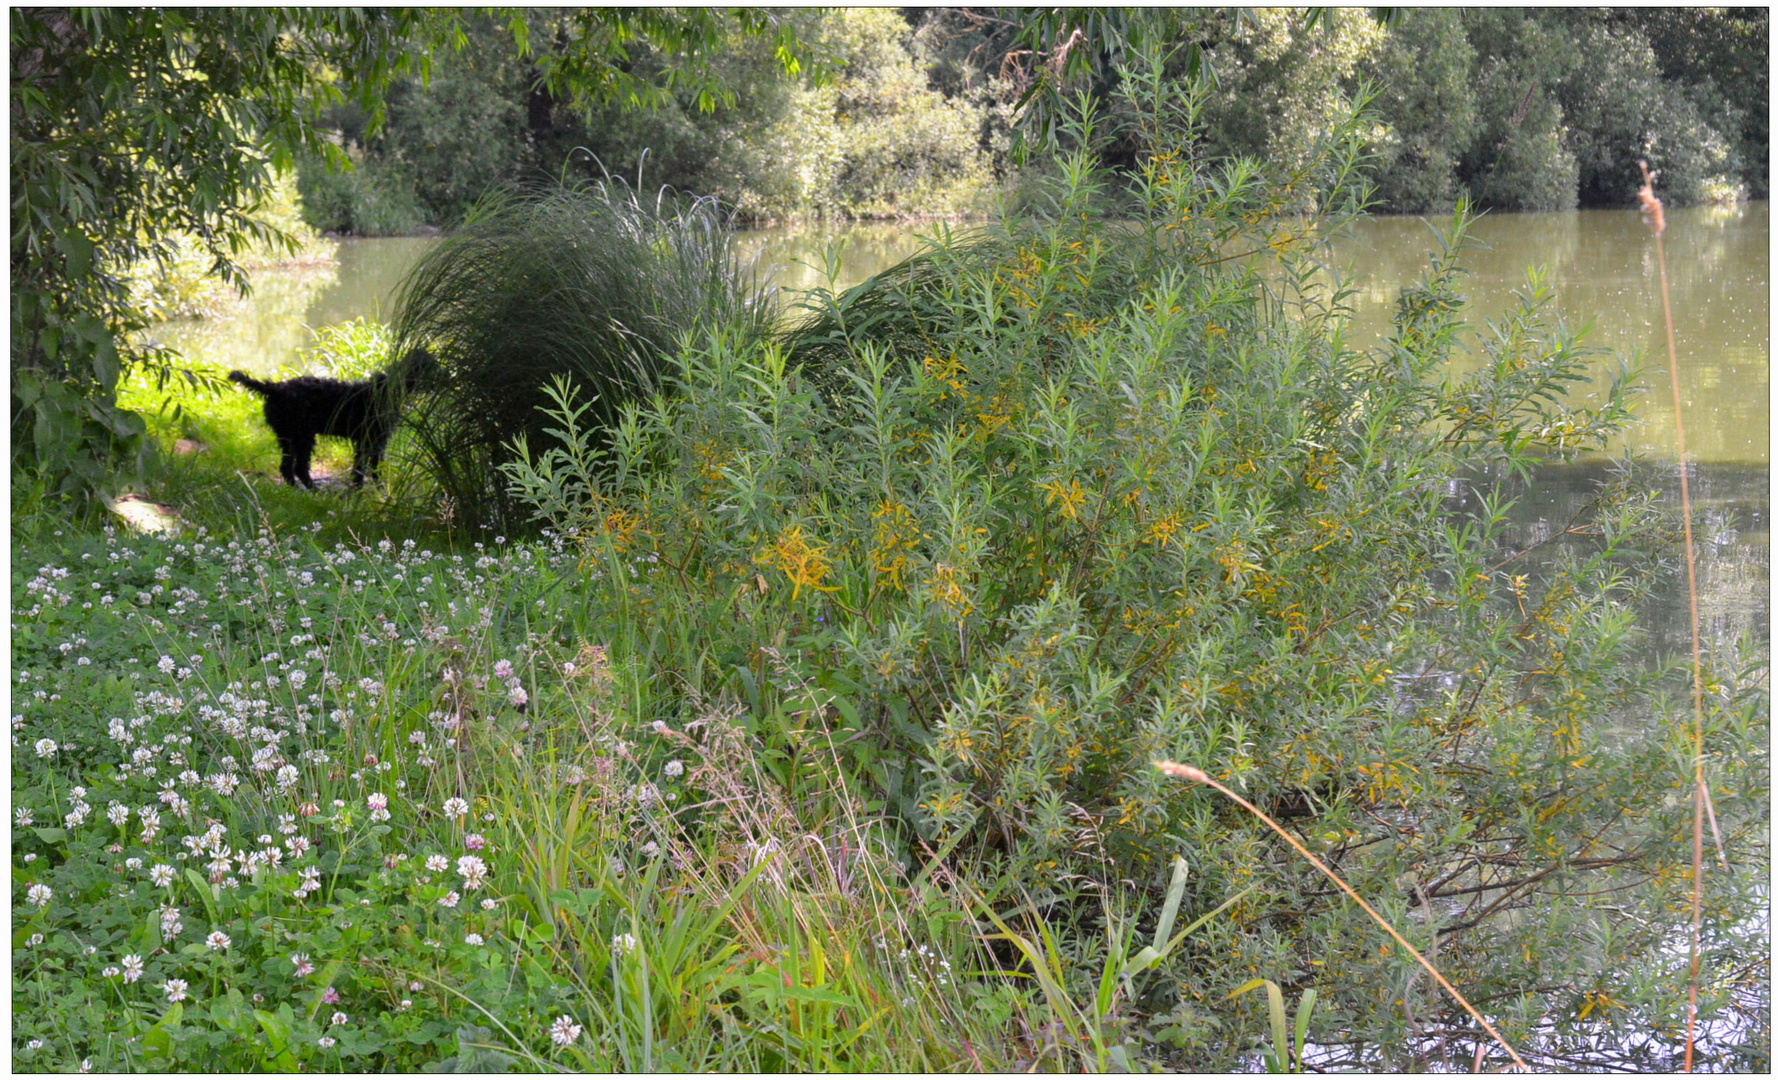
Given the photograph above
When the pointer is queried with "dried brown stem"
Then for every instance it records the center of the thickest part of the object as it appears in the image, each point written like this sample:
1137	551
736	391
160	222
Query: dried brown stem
1657	222
1197	775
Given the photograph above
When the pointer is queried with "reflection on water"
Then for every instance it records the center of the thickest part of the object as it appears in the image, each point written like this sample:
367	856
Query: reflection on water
1601	266
279	319
1599	263
1733	546
793	257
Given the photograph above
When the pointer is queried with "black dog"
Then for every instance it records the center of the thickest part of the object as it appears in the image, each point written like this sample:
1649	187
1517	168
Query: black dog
297	410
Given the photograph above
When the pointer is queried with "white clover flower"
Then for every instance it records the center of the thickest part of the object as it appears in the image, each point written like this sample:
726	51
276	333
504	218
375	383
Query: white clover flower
303	968
326	1041
161	874
472	939
503	669
118	813
46	748
377	801
39	894
132	864
455	807
473	870
674	769
34	1044
564	1031
21	818
437	864
217	941
622	945
449	900
132	968
338	1018
518	697
175	989
490	904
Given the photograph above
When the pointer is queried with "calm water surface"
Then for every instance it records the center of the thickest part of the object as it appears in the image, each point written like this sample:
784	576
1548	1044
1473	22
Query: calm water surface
1599	264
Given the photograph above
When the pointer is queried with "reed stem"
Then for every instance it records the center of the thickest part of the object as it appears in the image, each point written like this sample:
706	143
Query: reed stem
1657	223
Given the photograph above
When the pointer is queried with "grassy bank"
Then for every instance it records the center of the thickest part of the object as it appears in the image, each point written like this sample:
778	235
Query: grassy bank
281	803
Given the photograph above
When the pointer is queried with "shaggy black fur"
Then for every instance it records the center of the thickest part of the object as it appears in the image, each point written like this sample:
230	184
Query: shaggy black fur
297	410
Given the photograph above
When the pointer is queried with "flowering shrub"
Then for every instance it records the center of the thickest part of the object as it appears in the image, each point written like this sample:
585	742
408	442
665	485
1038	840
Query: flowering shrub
1106	485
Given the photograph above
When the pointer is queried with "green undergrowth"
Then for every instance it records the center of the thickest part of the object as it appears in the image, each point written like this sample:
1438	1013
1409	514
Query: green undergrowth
238	768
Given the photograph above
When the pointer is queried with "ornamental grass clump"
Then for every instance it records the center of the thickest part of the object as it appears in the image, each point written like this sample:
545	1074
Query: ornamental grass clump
1107	484
587	282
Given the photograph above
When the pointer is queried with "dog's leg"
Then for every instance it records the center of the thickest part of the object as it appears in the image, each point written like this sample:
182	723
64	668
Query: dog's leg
305	449
287	453
374	448
361	461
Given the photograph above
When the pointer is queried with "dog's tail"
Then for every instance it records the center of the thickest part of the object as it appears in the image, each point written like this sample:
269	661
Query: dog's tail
260	388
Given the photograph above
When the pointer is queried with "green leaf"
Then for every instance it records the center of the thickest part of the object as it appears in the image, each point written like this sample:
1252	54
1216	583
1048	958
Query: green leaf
207	892
159	1039
78	250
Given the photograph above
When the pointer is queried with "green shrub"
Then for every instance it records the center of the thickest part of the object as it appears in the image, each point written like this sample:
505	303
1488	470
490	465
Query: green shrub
372	199
586	282
1090	491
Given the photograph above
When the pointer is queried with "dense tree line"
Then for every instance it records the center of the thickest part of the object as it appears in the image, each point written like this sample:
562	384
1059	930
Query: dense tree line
868	136
1522	109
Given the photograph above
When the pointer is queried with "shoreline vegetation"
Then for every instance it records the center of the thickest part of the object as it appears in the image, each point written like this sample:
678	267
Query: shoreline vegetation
706	691
1517	110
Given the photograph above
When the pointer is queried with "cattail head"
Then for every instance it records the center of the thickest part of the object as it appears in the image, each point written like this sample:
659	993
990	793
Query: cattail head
1183	772
1651	206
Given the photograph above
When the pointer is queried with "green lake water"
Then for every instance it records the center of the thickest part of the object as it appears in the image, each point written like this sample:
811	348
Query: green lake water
1600	265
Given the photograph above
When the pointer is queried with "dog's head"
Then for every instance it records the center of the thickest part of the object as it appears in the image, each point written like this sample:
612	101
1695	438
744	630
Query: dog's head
415	369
